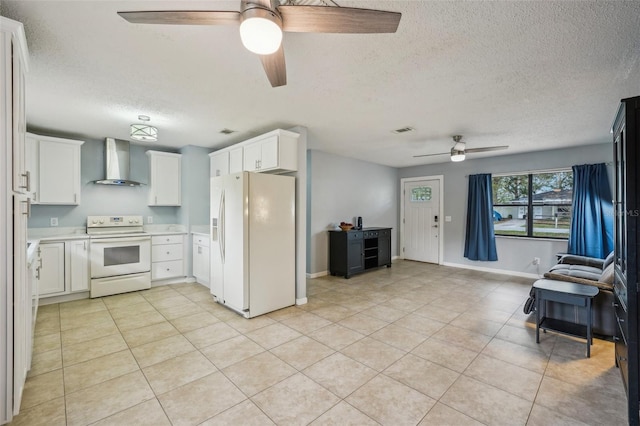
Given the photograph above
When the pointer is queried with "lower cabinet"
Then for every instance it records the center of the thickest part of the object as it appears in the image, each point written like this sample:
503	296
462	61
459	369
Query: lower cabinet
167	256
201	259
351	252
65	267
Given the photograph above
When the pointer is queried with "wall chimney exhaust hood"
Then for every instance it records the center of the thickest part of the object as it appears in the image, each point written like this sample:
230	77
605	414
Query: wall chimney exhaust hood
117	164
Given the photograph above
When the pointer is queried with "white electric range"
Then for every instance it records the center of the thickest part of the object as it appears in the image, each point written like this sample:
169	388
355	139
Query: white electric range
120	253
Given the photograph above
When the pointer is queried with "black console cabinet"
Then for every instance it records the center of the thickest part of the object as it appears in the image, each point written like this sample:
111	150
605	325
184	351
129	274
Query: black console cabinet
626	154
351	252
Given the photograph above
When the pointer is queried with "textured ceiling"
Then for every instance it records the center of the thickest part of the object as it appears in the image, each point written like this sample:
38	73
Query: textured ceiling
532	75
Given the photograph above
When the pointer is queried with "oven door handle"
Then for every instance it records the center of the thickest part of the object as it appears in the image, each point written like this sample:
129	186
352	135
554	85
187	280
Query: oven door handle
119	240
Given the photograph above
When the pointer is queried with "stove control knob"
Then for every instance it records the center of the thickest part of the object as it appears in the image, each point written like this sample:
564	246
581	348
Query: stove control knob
130	220
101	221
136	220
94	221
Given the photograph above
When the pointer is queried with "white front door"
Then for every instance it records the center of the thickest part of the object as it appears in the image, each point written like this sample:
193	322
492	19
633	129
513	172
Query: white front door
422	220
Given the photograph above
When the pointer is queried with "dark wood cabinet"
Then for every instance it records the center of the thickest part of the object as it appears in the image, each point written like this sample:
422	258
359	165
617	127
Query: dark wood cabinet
626	136
351	252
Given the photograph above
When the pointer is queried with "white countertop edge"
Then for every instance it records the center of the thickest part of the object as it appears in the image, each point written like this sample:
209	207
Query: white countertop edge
204	234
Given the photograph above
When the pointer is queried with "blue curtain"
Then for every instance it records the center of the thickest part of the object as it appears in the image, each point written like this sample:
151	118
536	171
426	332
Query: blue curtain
591	231
480	242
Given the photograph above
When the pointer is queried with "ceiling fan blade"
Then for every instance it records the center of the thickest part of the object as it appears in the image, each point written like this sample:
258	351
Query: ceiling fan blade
486	149
274	66
430	155
329	19
183	17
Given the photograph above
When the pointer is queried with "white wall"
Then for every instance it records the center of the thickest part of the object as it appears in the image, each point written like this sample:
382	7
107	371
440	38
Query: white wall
106	199
194	210
340	190
514	254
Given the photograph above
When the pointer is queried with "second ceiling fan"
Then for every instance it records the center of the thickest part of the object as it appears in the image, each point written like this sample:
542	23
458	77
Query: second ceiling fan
458	151
263	21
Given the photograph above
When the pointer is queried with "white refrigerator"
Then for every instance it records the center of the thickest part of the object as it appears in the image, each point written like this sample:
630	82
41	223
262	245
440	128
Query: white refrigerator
253	242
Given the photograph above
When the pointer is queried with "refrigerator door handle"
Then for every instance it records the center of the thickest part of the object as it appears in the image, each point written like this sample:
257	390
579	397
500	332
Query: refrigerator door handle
221	235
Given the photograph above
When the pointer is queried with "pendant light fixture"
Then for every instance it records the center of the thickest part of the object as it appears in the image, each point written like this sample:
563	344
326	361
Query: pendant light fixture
144	132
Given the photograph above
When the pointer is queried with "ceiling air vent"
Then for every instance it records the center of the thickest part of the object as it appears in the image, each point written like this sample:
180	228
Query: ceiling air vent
227	131
403	130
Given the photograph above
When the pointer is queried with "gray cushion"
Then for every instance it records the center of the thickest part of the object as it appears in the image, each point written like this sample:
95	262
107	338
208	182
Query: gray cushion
607	274
578	271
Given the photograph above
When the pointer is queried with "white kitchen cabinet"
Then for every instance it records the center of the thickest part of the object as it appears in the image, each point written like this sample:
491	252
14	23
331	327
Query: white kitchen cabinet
55	169
275	152
65	267
201	259
236	156
52	272
78	254
167	256
21	175
164	178
219	163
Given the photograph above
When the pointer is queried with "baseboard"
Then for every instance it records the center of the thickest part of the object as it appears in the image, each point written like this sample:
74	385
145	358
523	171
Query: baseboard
492	270
44	300
317	274
302	301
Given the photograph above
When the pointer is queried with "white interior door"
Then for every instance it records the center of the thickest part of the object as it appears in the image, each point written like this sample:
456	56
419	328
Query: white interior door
422	220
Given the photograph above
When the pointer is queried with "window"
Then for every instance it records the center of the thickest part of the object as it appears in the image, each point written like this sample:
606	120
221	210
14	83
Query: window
533	205
421	193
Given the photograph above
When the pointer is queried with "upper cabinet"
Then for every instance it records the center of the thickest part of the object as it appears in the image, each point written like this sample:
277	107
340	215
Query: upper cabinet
14	59
164	178
273	152
219	163
235	160
54	166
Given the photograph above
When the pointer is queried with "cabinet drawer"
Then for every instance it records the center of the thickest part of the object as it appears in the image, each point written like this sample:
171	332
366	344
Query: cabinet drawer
166	239
164	252
200	240
354	235
170	269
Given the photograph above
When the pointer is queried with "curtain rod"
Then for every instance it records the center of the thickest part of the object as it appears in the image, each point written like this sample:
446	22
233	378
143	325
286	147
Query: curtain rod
526	172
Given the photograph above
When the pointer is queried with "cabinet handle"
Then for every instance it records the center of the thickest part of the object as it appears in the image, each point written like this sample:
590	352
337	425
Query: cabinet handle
27	176
28	212
156	198
622	358
615	305
75	198
38	273
167	252
84	245
168	269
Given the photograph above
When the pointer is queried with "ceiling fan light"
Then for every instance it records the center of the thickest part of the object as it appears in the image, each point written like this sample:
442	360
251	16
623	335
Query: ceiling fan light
457	156
260	31
144	132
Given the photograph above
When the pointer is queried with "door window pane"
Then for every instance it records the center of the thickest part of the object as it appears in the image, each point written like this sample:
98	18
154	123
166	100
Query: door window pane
421	193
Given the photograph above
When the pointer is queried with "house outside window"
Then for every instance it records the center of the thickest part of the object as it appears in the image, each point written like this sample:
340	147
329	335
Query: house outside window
533	204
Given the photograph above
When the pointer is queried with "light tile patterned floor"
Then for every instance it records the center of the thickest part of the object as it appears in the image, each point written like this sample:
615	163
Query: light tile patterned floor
413	344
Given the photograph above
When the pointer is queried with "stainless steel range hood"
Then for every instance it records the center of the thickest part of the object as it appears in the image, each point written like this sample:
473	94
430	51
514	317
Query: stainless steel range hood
117	164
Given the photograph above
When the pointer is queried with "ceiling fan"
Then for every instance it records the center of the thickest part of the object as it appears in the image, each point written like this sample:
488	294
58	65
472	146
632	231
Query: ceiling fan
459	150
263	21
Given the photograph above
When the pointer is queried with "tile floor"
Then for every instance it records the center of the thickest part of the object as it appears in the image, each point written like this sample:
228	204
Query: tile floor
413	344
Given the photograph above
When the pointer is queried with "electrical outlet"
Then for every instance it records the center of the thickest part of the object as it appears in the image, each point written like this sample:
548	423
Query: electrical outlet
536	261
149	219
54	221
